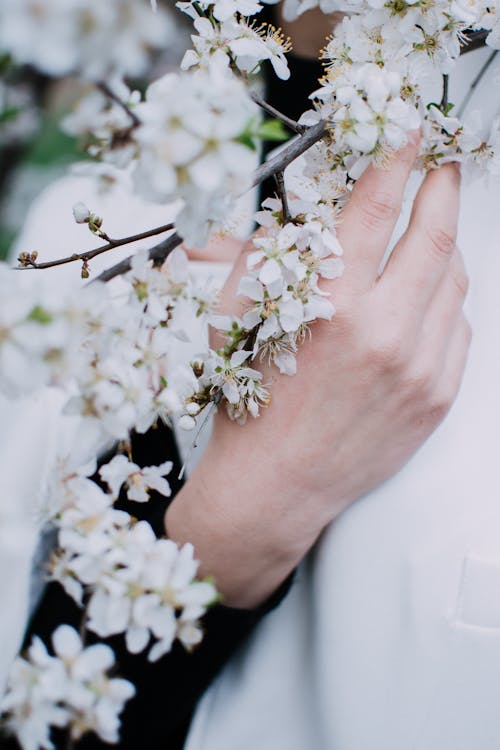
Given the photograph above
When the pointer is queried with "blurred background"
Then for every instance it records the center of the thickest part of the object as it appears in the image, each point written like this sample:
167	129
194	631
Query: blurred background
34	149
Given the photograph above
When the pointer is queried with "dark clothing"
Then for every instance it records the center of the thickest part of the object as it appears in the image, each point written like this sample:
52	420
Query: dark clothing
290	97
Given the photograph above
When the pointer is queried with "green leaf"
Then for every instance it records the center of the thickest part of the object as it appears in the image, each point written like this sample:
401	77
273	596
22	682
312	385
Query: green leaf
39	315
256	130
445	110
247	139
272	130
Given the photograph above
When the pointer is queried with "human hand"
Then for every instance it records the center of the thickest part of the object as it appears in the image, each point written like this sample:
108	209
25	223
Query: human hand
371	386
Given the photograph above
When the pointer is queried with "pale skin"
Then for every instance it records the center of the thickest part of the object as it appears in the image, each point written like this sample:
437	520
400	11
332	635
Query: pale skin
372	385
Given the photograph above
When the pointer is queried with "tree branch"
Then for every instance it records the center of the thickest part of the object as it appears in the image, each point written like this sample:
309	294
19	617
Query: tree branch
290	152
157	254
291	124
89	254
280	182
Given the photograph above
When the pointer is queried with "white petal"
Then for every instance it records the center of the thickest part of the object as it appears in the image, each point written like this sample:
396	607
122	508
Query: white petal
136	638
67	643
270	272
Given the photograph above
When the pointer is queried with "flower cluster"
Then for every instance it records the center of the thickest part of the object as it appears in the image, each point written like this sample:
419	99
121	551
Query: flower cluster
122	381
190	145
281	290
376	62
447	139
241	43
103	125
96	39
71	688
40	334
108	350
133	583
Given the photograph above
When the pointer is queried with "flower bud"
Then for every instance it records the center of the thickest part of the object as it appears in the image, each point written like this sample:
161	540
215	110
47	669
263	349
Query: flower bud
81	213
186	422
95	223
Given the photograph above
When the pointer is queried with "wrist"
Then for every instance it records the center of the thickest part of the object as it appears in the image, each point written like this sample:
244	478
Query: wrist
250	528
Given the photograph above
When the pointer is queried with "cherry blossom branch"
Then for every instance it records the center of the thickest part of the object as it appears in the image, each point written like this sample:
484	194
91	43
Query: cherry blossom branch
291	124
274	166
277	164
25	258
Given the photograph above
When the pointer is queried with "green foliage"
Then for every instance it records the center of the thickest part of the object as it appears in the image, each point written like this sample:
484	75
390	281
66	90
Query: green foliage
7	237
39	315
51	146
273	130
269	130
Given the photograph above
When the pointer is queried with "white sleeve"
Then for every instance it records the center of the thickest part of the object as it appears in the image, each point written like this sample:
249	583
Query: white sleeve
28	438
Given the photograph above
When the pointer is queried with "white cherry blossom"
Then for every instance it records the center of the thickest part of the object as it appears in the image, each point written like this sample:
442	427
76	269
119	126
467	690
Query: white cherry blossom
138	481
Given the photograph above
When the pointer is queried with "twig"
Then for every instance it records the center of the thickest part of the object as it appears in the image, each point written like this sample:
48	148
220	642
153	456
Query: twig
111	245
107	91
476	82
444	99
157	254
290	152
280	182
291	124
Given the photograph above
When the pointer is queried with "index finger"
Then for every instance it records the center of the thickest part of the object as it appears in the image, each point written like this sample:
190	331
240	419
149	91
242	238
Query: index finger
369	218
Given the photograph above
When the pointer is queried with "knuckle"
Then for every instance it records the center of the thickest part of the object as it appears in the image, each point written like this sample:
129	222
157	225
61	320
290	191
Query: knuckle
379	207
419	382
439	406
461	281
387	353
441	241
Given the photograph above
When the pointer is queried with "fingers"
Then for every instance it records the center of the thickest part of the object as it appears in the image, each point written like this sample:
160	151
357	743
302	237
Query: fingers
422	256
369	218
445	308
